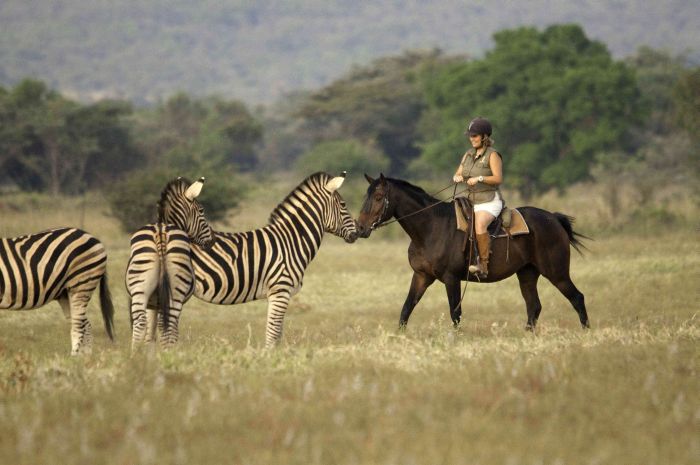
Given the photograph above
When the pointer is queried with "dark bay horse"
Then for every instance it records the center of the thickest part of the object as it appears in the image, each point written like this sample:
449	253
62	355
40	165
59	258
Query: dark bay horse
436	252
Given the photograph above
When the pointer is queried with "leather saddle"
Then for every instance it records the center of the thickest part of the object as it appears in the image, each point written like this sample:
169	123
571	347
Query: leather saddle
509	223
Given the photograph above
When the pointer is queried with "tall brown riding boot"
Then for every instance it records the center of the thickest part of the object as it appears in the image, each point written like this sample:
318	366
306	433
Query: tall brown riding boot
482	267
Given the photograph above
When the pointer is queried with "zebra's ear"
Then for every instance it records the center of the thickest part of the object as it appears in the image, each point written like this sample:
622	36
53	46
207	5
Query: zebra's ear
194	190
335	183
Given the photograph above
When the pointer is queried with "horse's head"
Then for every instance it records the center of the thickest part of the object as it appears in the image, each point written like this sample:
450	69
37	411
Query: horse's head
376	208
179	206
338	220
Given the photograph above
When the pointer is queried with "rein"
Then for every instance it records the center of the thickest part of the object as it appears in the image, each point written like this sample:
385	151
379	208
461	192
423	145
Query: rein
381	224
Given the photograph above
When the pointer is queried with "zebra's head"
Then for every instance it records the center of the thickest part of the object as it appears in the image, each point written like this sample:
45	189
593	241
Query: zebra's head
179	206
337	218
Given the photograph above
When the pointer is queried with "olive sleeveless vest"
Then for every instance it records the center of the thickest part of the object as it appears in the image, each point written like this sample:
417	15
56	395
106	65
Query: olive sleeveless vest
473	167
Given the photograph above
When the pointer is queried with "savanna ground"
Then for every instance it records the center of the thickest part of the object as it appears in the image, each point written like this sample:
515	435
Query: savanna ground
346	387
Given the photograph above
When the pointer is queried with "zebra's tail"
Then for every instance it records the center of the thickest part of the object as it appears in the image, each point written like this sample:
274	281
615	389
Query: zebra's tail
107	307
163	277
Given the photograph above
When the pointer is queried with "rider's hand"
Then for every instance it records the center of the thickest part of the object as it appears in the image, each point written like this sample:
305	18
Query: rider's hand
457	178
472	181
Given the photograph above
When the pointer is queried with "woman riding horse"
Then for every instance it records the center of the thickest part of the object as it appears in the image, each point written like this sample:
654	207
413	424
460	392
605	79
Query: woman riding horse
436	249
482	169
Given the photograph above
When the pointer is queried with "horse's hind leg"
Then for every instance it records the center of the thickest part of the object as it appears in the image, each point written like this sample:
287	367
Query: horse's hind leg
419	283
528	277
566	287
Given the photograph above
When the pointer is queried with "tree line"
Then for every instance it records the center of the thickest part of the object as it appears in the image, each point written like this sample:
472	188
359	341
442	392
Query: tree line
563	111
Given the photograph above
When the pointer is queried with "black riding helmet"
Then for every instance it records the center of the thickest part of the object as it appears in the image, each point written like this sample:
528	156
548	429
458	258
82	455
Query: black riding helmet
477	126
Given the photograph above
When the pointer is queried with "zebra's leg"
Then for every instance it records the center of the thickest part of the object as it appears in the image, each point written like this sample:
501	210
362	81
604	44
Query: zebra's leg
154	325
141	287
81	331
171	334
277	302
64	302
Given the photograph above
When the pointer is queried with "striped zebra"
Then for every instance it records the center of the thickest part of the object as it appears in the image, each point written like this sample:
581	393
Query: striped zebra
159	275
64	264
270	262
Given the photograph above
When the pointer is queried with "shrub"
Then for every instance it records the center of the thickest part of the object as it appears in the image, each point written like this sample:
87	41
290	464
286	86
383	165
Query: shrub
342	155
133	200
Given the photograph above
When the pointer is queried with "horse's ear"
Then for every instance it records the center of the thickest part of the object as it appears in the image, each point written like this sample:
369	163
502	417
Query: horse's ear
382	179
369	178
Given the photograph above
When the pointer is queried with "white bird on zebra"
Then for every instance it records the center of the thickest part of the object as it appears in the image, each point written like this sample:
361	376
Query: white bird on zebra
270	262
159	275
64	264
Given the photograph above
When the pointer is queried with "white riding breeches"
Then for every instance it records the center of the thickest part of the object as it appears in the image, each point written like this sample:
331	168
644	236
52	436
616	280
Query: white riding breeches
494	207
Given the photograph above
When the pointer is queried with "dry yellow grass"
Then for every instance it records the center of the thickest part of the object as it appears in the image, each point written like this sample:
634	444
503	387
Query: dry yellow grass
346	387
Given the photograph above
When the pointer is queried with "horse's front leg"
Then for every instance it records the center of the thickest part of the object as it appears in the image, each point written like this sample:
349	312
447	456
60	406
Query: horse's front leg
453	288
419	283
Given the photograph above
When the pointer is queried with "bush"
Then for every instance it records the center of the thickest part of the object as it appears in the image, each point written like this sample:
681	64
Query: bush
342	155
133	201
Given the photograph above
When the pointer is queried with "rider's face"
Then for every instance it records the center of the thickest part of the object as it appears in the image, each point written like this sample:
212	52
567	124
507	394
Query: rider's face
476	140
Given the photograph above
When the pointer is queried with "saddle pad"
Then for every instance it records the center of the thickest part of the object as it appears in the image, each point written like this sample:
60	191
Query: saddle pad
517	223
517	226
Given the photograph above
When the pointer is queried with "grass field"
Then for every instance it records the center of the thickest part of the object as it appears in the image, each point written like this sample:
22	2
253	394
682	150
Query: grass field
346	387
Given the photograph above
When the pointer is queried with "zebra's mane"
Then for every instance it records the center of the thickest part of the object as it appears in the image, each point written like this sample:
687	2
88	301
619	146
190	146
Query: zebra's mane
174	186
318	178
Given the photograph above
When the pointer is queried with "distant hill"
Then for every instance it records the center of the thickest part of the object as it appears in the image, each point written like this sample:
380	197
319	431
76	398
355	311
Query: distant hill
258	51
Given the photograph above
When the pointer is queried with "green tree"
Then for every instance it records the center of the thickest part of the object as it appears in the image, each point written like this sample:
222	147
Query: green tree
555	98
686	95
133	200
52	143
202	135
657	73
380	104
342	155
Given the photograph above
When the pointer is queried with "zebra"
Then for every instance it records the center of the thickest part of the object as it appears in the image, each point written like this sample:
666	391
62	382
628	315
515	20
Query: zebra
270	262
159	274
64	264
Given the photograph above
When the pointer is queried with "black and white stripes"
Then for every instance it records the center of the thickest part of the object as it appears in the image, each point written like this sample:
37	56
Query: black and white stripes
159	274
270	262
64	264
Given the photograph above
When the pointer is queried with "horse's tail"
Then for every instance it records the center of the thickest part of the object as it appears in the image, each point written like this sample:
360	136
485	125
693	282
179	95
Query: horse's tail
567	223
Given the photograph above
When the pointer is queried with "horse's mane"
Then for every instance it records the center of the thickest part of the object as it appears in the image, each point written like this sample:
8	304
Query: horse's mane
415	191
319	177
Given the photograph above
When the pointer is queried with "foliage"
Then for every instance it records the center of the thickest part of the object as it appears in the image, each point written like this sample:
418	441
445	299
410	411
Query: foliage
342	155
555	98
200	134
49	142
687	97
657	73
380	103
133	200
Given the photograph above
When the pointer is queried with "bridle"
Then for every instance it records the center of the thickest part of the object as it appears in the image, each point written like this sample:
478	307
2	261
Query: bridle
379	223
